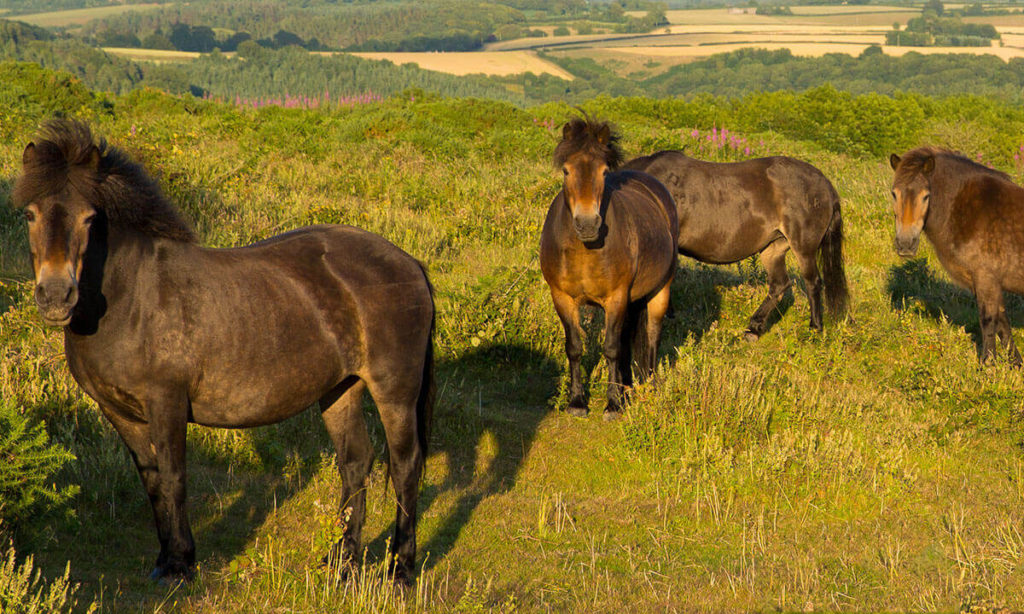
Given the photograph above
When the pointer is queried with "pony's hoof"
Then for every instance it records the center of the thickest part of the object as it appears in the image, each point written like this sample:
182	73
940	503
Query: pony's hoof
612	414
750	336
577	411
171	575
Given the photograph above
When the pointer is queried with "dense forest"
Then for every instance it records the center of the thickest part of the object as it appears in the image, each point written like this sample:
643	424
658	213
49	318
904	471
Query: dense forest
437	25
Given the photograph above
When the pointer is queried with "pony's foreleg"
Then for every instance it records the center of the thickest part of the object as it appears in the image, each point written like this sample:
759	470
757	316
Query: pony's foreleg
773	259
136	437
343	416
569	313
1005	332
993	320
615	313
162	468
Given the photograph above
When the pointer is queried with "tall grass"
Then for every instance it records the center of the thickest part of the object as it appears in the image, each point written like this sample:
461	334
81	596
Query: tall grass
874	466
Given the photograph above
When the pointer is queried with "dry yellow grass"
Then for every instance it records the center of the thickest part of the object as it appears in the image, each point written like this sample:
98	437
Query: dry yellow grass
154	55
474	62
808	16
77	17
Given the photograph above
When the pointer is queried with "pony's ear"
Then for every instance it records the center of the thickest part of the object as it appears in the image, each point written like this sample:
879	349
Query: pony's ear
29	154
604	134
94	159
894	161
928	166
567	131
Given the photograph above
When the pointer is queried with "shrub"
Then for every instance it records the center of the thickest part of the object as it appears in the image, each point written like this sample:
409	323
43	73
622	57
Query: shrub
28	460
24	591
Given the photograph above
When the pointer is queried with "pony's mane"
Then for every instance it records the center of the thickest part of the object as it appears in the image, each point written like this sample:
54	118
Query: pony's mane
66	153
591	136
913	161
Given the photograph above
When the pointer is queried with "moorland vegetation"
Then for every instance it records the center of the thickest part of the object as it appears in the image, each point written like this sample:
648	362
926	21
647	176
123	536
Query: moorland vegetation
872	466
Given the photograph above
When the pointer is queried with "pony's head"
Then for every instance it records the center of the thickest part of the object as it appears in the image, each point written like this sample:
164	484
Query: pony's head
911	194
73	190
589	150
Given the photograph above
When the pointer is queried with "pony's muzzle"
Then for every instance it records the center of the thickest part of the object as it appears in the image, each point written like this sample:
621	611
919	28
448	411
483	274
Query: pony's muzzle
56	298
588	227
906	244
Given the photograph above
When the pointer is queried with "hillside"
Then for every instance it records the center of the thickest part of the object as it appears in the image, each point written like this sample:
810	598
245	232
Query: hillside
872	467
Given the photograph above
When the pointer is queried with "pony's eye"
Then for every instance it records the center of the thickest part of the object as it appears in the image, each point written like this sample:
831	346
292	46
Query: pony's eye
893	192
926	198
30	215
88	219
565	172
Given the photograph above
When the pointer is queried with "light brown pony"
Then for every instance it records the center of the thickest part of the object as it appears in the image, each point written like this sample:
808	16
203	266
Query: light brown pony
609	240
974	217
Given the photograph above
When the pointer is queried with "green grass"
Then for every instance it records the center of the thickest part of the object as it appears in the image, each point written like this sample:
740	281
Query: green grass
875	466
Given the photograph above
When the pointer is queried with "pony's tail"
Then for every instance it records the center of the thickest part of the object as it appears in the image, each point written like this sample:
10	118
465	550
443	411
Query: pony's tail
830	254
428	385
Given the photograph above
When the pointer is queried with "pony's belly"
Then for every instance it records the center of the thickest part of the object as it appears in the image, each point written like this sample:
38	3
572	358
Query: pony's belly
252	407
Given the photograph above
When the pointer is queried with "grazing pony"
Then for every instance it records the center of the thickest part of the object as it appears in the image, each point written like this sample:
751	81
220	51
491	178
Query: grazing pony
161	332
974	218
766	206
608	240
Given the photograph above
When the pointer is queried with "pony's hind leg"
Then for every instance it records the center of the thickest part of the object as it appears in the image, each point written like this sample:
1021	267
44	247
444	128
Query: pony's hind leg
405	460
343	416
812	282
569	313
773	259
645	354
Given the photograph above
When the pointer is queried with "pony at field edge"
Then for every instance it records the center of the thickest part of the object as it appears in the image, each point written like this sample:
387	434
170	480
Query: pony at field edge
608	240
161	332
729	211
974	218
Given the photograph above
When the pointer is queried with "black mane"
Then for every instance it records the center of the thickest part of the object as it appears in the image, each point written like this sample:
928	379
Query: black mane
591	136
65	152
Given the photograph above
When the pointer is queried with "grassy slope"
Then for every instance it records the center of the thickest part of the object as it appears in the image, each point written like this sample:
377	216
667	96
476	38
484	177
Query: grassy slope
873	467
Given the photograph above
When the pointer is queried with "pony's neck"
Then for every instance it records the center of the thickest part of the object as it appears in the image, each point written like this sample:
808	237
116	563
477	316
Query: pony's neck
945	184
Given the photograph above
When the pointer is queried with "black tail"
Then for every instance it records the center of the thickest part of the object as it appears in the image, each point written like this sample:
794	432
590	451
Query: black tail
428	387
830	254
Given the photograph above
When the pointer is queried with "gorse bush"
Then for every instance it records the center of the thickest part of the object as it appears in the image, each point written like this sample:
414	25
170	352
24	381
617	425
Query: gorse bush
28	462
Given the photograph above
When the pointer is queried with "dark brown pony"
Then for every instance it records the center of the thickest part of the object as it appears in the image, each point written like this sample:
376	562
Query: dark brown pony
162	332
974	217
767	206
608	240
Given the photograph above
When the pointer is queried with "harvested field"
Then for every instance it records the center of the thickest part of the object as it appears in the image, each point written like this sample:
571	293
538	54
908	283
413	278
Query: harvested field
154	55
474	62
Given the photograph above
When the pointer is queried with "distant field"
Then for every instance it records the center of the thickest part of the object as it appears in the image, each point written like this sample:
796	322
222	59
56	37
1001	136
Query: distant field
154	55
77	17
475	62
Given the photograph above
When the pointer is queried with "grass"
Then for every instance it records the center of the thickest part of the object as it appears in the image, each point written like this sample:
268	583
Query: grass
77	17
873	467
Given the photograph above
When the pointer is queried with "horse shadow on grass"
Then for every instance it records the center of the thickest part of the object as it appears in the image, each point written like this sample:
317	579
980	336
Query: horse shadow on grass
107	532
490	403
914	285
697	298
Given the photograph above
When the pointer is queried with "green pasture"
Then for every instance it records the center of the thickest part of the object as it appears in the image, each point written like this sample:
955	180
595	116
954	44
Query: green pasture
875	466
